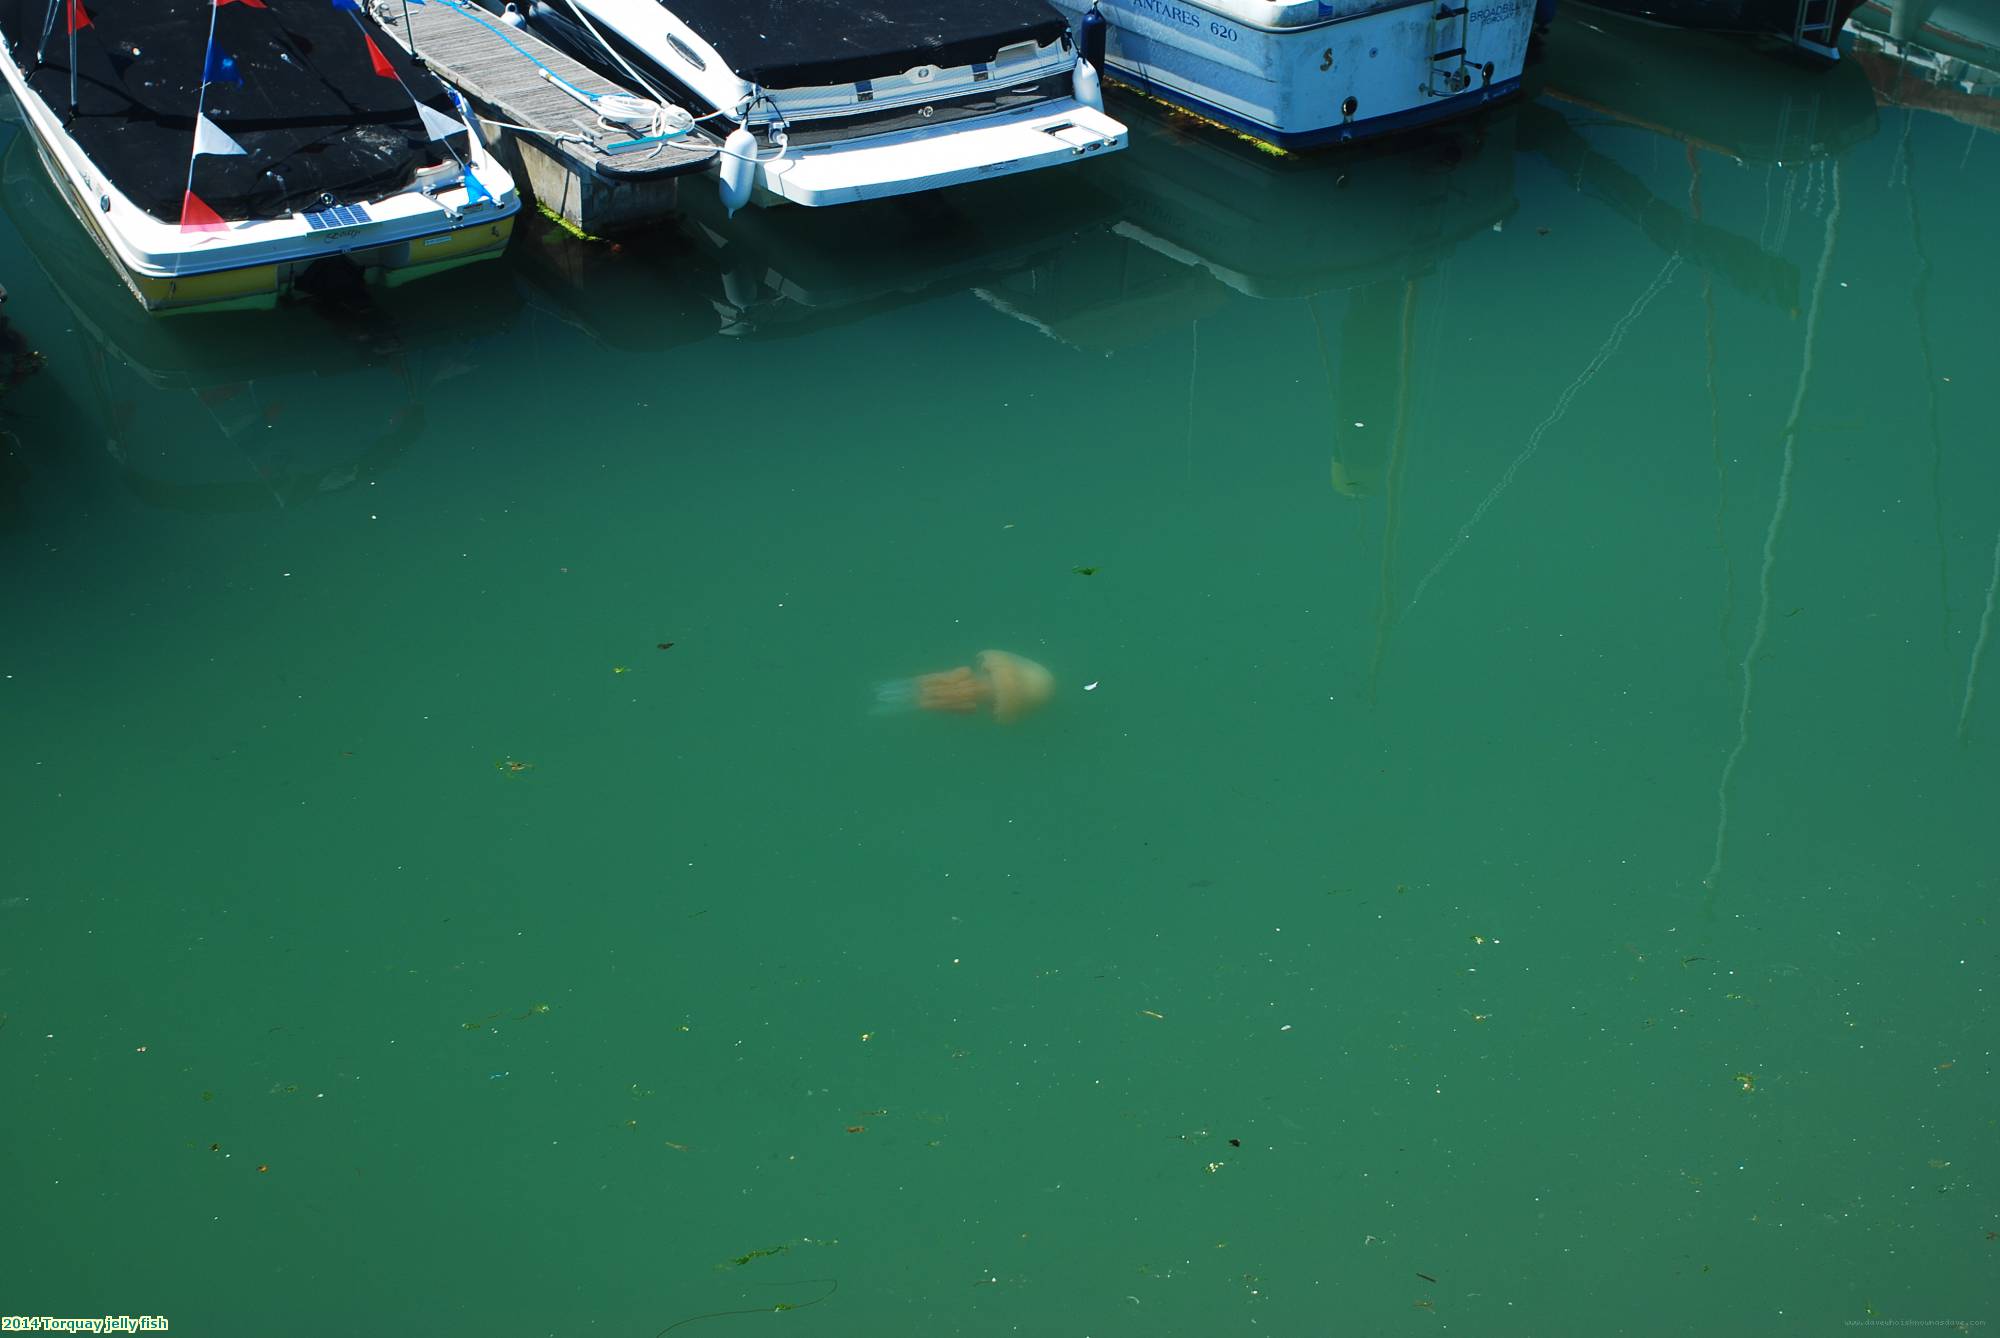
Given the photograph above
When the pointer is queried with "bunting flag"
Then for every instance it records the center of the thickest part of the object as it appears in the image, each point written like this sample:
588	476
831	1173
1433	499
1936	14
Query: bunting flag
210	138
378	60
198	217
78	18
221	67
439	125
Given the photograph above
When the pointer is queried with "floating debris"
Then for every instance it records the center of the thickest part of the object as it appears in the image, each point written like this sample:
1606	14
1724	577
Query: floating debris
513	767
1084	571
832	1286
771	1252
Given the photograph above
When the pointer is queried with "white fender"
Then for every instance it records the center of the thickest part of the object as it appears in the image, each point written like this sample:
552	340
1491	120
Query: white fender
739	168
1089	88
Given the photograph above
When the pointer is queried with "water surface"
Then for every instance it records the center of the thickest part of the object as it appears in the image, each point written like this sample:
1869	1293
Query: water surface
1529	828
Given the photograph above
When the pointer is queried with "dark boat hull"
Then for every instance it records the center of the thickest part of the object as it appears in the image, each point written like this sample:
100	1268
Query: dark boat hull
1762	18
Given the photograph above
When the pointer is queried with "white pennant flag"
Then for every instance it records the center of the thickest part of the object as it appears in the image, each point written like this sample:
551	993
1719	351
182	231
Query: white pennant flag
209	138
439	125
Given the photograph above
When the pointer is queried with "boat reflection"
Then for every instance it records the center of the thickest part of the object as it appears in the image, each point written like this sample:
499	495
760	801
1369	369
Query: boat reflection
1933	55
1161	235
786	272
1219	217
1749	128
1202	220
347	383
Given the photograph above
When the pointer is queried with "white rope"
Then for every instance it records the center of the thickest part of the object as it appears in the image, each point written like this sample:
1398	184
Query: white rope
1979	646
1563	401
664	102
1771	538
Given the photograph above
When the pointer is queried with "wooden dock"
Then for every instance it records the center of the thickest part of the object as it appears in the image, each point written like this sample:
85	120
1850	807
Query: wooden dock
601	179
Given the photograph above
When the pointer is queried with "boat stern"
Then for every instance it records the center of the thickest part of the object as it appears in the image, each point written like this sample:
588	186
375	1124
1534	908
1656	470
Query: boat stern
1047	134
1296	75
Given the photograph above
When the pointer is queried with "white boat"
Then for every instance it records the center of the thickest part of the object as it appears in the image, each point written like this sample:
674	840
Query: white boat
156	120
1300	73
835	103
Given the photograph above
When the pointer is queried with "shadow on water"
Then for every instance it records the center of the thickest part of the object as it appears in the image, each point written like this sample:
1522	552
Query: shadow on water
346	375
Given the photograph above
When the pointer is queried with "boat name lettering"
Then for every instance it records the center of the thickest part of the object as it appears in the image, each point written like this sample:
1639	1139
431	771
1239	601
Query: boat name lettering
1497	13
1223	30
1187	18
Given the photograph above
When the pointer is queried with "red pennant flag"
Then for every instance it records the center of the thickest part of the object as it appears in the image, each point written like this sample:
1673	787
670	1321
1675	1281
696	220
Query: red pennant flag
254	4
380	61
78	20
198	217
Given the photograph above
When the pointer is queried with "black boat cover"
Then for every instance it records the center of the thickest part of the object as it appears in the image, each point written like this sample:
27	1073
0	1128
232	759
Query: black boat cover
319	99
815	43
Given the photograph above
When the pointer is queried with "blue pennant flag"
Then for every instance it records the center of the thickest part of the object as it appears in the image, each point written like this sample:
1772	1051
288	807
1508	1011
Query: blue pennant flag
354	5
221	67
474	191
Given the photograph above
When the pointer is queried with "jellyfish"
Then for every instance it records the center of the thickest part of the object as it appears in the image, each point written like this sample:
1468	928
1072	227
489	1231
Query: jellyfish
1008	684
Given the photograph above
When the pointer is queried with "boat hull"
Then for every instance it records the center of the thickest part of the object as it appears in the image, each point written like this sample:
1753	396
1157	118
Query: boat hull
1292	76
1762	18
253	263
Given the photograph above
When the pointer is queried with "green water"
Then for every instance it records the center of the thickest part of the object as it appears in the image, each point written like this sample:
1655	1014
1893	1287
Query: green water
1511	815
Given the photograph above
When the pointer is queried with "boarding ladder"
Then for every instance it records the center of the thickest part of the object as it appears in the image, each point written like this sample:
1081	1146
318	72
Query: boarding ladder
1450	27
1798	130
1814	29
